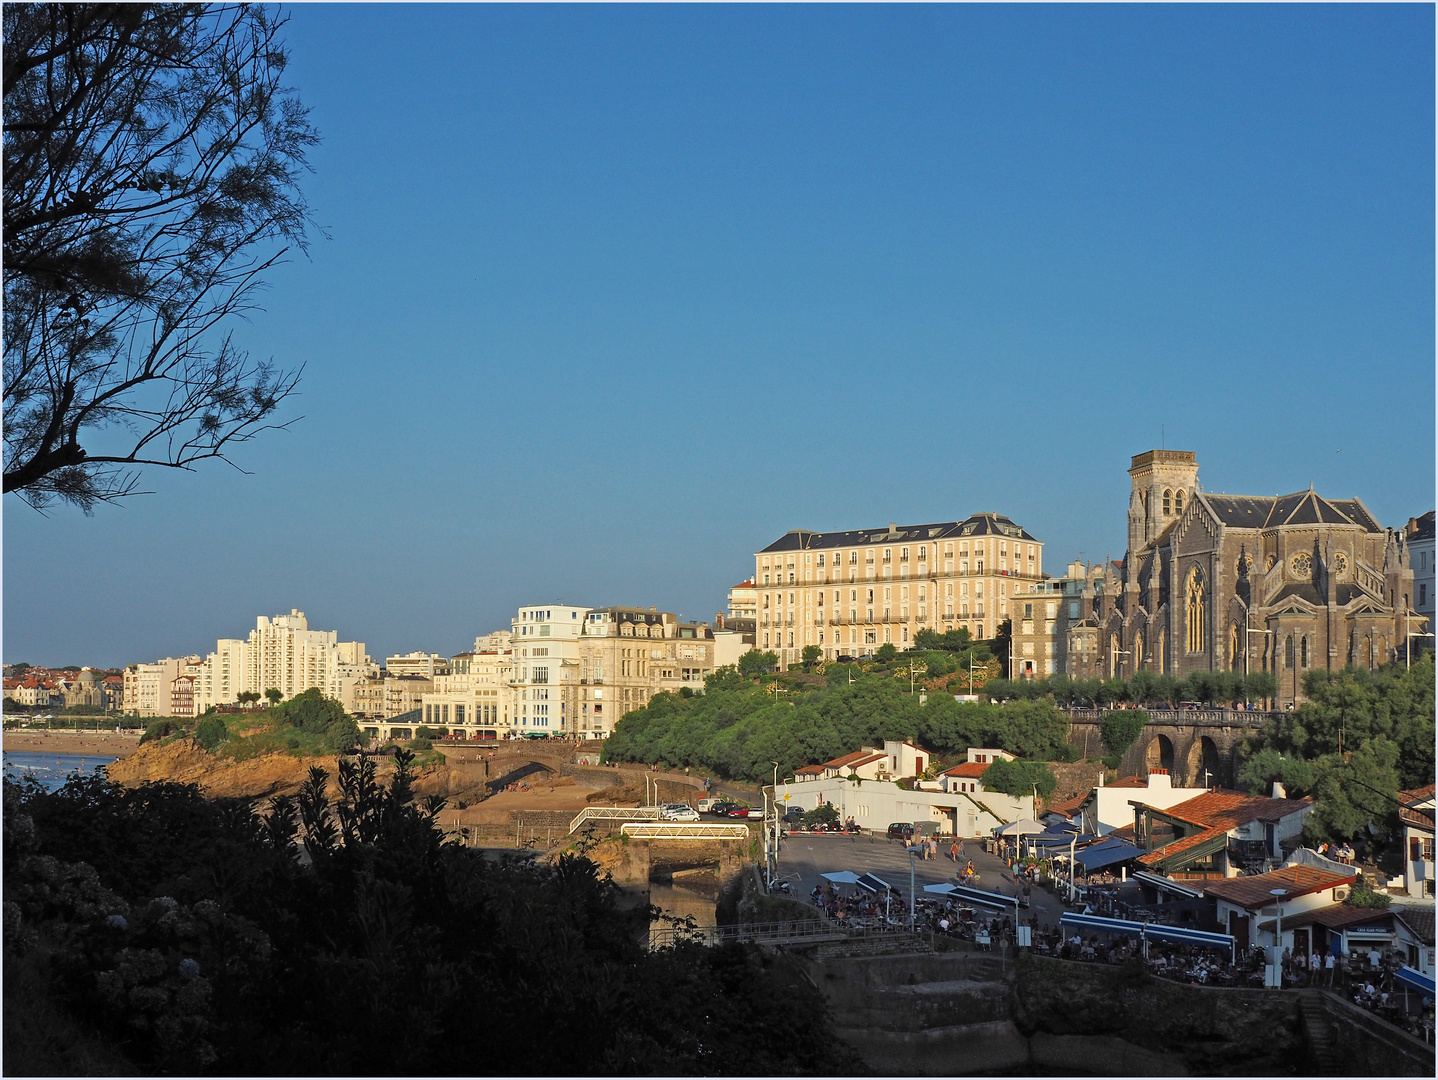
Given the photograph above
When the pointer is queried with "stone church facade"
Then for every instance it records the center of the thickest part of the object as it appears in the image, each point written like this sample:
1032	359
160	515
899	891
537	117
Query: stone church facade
1277	583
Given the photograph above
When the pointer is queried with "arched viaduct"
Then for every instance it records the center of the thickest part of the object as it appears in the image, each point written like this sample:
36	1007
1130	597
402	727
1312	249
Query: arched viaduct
1198	747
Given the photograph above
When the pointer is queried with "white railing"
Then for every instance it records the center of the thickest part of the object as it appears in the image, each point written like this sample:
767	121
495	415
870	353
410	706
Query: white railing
680	830
614	813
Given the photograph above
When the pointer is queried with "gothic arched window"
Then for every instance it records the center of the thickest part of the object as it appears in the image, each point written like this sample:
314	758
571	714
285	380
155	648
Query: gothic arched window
1178	501
1196	628
1168	502
1233	663
1288	653
1137	657
1113	651
1303	652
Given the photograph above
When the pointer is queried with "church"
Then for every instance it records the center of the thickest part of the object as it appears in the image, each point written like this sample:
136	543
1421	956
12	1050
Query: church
1275	583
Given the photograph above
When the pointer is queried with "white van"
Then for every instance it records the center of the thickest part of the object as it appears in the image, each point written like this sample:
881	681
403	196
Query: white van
707	805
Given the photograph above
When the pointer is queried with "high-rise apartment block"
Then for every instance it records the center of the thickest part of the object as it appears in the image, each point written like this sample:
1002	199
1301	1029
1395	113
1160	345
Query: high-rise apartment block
282	653
848	593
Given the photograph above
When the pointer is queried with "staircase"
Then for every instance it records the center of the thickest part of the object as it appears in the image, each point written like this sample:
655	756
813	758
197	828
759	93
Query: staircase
890	942
1319	1033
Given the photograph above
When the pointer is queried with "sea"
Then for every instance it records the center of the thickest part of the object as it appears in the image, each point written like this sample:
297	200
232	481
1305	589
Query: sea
51	770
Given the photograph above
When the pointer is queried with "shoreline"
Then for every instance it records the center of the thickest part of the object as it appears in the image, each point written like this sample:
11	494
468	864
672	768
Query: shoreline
72	742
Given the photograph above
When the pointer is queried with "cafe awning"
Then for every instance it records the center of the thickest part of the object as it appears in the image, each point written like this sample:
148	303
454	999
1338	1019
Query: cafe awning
1414	980
1150	931
873	883
979	896
1164	884
1023	827
1106	854
841	877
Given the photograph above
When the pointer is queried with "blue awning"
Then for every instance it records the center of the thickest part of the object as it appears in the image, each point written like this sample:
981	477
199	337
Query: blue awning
979	896
1106	854
1149	930
1100	922
1188	936
1415	979
873	883
1060	839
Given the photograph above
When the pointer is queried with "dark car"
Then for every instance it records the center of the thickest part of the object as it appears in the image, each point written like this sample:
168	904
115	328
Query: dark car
793	814
900	830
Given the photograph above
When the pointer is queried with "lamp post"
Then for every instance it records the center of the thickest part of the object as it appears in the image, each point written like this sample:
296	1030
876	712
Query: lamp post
1247	630
774	836
1278	895
1408	642
1118	652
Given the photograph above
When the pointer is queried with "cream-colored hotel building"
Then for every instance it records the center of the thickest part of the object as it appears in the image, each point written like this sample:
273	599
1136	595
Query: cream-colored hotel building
851	592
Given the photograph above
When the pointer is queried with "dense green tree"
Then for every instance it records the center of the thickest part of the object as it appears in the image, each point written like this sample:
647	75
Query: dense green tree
1120	729
755	663
210	732
886	653
1019	778
1258	773
811	655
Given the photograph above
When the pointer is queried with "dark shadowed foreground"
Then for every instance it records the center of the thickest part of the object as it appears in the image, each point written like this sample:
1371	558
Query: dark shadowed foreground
151	930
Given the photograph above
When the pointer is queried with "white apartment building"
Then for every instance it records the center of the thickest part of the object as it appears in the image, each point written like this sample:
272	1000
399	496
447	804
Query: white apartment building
425	665
476	696
149	688
744	600
281	653
851	592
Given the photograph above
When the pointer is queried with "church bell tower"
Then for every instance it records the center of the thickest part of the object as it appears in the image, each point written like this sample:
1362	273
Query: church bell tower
1163	483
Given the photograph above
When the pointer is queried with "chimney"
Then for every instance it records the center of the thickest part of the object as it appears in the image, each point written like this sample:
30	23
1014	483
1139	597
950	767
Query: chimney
1158	780
1279	791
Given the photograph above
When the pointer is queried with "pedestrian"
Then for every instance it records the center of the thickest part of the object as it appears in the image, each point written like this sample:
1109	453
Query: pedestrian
954	852
1328	970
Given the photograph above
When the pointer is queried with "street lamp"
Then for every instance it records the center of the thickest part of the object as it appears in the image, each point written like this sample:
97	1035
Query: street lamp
1278	895
1118	652
1247	630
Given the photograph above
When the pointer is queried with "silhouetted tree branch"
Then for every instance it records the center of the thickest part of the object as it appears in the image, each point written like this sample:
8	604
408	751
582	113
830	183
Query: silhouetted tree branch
151	165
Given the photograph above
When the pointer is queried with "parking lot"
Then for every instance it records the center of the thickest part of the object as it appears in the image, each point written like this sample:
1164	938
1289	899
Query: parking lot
804	856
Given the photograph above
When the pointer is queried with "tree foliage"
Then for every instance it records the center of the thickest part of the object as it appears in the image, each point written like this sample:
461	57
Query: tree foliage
1121	728
738	732
1019	778
755	663
191	935
152	157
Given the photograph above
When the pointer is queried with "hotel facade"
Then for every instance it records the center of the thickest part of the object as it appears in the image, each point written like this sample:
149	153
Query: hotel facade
848	593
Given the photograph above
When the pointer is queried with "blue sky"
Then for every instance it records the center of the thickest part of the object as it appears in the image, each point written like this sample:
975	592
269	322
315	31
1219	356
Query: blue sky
614	296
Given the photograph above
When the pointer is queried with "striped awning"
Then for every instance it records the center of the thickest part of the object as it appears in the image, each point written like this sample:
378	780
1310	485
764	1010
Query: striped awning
1148	930
979	896
873	883
1415	979
1158	881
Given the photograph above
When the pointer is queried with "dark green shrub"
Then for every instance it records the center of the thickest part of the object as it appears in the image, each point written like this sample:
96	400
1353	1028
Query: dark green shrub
158	729
210	732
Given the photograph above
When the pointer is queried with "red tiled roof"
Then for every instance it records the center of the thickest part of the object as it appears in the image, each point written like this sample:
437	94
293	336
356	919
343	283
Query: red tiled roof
1418	819
1068	807
840	762
1128	782
969	769
1252	891
1178	847
1124	832
1416	795
807	769
1230	809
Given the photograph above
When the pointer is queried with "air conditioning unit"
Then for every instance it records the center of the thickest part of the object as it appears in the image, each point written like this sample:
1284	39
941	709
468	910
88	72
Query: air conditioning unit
1341	893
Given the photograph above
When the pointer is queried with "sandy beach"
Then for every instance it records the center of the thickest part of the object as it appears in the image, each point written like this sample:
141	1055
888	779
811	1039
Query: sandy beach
72	742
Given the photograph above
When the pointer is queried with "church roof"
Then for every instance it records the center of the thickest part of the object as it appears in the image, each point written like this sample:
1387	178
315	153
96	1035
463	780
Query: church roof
1299	508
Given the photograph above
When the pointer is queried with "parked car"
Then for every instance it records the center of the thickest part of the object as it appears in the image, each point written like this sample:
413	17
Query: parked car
679	813
793	814
900	830
738	811
756	813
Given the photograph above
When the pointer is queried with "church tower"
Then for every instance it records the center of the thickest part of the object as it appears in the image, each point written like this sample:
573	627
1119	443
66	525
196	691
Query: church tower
1163	483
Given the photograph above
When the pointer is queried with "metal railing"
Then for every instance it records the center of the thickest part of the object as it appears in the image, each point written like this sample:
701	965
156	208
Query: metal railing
614	813
682	830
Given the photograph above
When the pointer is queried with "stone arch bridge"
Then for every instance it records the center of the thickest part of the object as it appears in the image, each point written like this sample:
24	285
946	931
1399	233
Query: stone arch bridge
1198	747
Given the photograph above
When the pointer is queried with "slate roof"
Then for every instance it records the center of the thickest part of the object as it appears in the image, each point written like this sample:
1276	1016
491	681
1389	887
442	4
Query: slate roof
1300	508
1252	891
985	524
1422	527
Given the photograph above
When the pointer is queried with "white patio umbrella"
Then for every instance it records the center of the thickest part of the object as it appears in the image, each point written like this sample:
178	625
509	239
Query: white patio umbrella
842	877
1022	827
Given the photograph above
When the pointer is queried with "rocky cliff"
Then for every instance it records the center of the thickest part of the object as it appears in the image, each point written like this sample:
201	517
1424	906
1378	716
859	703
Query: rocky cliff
183	761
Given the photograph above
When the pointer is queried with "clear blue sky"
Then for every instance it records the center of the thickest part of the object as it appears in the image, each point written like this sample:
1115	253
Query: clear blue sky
613	297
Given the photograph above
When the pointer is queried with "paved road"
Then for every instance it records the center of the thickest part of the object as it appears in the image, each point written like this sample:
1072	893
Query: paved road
803	857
